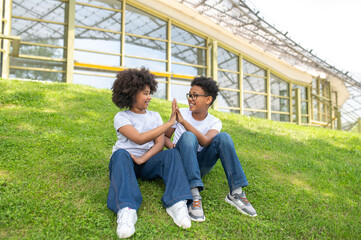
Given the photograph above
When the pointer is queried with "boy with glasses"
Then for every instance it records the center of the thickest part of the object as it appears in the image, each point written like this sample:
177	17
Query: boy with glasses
198	138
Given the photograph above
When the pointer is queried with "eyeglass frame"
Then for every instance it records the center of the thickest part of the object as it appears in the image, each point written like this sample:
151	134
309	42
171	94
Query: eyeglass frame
195	96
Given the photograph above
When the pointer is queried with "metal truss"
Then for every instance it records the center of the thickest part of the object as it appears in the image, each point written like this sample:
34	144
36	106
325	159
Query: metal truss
242	20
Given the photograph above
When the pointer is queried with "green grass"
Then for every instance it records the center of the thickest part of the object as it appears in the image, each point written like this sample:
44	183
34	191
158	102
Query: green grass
55	144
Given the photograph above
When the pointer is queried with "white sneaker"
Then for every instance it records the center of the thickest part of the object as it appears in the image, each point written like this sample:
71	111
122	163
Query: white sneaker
179	213
126	219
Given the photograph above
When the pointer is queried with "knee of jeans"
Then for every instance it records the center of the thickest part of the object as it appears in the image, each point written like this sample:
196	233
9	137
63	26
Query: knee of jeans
223	137
189	139
121	157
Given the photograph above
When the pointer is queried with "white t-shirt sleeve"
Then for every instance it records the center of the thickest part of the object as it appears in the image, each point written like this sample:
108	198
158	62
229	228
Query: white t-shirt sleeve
216	125
121	120
159	119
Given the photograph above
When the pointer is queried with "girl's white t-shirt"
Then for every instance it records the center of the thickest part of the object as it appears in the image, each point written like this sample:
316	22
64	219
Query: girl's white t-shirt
210	122
142	123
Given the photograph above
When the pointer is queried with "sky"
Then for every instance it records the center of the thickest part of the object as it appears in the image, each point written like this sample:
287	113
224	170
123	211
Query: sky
331	28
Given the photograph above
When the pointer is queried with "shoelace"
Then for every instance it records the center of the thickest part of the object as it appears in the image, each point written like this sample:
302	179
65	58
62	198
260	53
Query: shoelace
243	199
197	203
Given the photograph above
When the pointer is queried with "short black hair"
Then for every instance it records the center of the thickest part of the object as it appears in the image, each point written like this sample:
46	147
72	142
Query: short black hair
128	83
208	85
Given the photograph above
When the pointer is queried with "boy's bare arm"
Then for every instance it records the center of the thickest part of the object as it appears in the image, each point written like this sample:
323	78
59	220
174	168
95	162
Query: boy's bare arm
168	134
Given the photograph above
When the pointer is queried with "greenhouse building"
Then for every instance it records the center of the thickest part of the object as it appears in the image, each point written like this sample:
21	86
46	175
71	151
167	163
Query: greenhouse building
261	72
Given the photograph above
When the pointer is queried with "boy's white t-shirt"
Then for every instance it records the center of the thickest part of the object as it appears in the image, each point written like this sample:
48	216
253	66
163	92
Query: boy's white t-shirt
142	123
210	122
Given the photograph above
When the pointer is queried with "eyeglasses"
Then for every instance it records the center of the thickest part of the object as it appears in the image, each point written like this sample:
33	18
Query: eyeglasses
195	96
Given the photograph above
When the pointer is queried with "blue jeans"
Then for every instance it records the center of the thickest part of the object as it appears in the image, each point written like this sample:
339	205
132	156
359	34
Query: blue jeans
198	164
123	173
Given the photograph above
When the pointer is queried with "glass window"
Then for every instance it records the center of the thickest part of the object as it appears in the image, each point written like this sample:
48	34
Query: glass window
39	9
280	104
38	32
147	48
254	84
228	98
138	63
188	70
94	42
280	117
228	110
279	87
183	36
228	80
227	60
250	68
36	75
188	54
254	101
97	18
94	81
179	91
161	89
255	114
115	4
141	23
41	51
97	58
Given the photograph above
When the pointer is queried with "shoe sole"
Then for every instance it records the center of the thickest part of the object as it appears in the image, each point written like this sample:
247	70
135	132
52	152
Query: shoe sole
239	209
198	219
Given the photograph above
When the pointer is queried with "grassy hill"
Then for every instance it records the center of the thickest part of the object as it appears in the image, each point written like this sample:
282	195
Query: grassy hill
55	144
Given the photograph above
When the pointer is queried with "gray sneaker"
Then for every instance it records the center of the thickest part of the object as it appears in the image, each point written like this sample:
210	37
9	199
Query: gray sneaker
195	210
241	203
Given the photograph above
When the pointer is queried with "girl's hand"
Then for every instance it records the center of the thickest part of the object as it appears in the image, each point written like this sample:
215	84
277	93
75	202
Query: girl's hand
137	160
173	116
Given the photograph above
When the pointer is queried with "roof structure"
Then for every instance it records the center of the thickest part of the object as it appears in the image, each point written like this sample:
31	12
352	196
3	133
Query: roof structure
242	20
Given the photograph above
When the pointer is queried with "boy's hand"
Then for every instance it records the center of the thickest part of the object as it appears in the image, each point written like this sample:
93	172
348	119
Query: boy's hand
180	118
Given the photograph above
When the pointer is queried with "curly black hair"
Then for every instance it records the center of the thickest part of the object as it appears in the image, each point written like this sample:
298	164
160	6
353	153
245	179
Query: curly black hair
128	83
208	85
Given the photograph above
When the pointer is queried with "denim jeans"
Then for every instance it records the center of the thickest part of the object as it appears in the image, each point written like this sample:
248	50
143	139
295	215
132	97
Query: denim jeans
198	164
123	173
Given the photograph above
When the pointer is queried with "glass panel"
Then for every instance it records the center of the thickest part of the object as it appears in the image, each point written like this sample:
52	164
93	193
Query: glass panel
228	80
228	99
183	36
280	117
280	104
39	9
96	58
255	114
279	87
304	119
228	110
147	48
42	51
303	91
179	91
36	75
254	101
38	32
37	64
97	41
190	55
188	70
94	81
254	84
250	68
161	90
97	18
227	60
151	65
116	4
141	23
304	108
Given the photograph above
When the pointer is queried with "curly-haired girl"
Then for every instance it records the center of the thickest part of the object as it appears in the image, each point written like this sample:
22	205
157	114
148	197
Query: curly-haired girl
138	154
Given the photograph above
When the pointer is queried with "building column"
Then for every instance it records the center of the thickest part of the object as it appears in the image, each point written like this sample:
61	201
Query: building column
70	41
6	24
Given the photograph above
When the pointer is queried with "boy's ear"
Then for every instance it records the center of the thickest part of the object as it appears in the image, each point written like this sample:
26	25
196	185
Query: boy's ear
209	100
